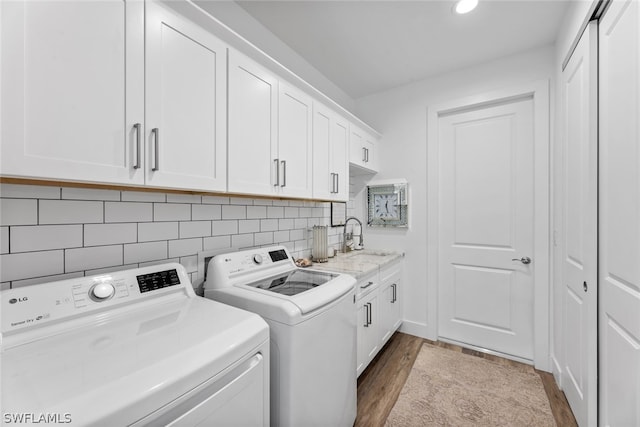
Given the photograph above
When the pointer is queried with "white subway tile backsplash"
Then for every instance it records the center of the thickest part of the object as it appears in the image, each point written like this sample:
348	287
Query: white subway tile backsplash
46	279
45	237
158	261
151	231
128	212
285	224
52	233
296	235
183	198
195	229
143	196
248	226
281	236
291	212
256	212
4	240
244	201
263	238
206	212
184	247
217	242
275	212
92	258
18	211
90	194
215	200
224	227
31	264
171	212
268	225
241	241
70	212
141	252
17	191
110	234
234	212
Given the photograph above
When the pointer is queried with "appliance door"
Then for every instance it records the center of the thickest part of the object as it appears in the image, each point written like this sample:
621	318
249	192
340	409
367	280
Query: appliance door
237	397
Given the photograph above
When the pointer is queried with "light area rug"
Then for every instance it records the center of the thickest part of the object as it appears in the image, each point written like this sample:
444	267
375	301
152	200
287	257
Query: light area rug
449	388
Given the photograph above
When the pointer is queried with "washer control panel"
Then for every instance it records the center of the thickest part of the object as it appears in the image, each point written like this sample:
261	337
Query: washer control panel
40	304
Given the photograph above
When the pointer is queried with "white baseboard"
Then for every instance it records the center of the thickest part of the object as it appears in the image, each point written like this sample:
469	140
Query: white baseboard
416	329
556	370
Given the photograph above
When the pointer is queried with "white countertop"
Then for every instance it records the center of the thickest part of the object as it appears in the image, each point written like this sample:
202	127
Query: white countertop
359	263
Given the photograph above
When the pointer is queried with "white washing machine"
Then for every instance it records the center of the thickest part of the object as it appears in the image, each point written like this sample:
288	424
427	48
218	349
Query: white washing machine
312	321
131	348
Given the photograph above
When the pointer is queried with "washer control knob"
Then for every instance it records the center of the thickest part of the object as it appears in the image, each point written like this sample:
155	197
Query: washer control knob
102	291
257	258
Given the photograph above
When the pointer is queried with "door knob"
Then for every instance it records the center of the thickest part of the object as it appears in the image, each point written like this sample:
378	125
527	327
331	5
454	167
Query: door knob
524	260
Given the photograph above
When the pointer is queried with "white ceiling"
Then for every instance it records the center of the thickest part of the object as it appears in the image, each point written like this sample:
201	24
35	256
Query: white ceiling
365	47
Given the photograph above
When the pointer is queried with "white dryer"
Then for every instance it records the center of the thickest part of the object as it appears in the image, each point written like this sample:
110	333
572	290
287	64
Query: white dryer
312	321
131	348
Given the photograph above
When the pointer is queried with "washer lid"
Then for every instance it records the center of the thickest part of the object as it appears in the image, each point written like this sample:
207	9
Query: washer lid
124	365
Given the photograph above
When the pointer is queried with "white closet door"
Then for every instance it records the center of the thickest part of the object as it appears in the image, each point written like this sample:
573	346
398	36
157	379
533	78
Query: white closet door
579	334
619	215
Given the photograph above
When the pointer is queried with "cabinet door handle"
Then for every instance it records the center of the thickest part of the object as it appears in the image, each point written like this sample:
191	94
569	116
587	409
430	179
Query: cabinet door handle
364	154
156	144
284	173
277	163
366	318
333	182
337	183
366	286
137	127
370	312
394	298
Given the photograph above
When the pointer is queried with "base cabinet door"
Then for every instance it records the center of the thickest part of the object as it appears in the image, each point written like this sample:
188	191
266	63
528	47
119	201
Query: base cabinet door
368	325
186	78
72	90
390	307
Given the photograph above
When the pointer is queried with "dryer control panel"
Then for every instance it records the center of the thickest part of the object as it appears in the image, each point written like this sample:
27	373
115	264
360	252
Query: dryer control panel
36	305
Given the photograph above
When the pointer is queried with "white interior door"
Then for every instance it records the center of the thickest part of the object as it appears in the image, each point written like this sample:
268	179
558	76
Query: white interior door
486	221
619	215
580	257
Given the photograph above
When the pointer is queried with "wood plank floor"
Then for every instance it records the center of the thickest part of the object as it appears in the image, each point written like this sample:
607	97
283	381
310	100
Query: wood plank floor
380	384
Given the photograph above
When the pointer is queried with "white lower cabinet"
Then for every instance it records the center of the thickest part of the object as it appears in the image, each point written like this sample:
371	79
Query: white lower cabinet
379	312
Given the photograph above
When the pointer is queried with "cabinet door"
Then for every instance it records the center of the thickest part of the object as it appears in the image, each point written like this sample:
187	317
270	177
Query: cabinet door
294	142
368	326
185	103
72	89
252	147
390	308
371	158
323	178
357	155
340	157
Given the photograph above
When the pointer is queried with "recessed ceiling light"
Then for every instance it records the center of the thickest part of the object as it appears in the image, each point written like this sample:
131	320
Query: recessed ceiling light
465	6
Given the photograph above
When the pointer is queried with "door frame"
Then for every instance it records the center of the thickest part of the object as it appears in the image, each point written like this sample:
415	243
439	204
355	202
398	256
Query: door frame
539	92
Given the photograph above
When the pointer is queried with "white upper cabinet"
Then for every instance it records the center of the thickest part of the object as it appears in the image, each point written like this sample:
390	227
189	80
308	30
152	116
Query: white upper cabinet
330	155
72	90
294	142
185	103
252	148
270	151
362	151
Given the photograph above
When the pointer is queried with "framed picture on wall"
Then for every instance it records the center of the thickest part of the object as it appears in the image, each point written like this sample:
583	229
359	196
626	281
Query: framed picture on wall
338	213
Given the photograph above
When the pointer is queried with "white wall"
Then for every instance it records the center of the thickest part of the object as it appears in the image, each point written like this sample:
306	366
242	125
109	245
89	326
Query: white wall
401	116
